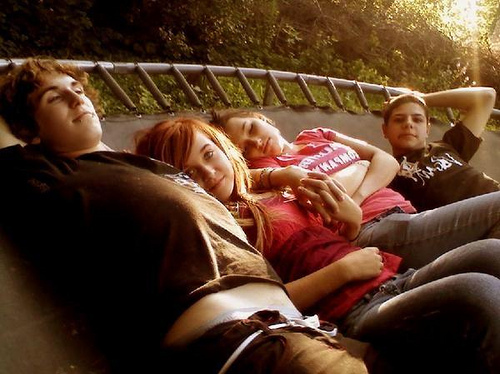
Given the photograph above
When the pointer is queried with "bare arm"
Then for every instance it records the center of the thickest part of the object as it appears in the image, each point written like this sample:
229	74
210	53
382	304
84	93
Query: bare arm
383	167
475	104
350	177
346	211
362	264
301	180
321	193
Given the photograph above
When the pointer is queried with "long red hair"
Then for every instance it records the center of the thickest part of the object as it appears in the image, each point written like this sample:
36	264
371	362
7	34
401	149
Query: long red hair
171	141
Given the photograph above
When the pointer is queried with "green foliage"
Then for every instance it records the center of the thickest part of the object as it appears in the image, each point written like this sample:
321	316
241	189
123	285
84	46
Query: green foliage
33	27
420	44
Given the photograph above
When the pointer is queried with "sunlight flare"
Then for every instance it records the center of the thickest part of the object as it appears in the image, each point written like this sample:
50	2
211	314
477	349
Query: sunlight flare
464	13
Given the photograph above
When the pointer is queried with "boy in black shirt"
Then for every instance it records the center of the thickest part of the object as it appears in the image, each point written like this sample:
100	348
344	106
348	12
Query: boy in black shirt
438	173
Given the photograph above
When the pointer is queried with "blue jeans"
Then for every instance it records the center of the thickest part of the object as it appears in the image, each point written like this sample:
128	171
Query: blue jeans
421	237
448	309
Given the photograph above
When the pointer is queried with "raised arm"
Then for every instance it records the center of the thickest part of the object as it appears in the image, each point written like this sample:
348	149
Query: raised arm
359	265
475	104
383	167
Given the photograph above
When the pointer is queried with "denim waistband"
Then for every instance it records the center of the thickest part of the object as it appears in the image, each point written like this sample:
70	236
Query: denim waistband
387	290
396	209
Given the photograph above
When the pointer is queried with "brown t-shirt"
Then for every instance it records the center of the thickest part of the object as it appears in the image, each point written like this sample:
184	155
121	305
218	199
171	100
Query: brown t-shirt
134	239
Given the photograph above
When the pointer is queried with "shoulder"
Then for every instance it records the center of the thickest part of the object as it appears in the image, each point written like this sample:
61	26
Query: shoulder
459	130
318	133
461	139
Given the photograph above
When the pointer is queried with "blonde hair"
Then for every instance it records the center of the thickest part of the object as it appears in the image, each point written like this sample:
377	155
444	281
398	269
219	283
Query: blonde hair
171	141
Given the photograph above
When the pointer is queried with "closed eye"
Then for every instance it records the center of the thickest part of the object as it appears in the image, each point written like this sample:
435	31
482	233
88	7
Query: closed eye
79	90
53	99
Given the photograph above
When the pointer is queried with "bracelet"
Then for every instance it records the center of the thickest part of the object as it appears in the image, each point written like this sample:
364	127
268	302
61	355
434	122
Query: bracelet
265	176
260	183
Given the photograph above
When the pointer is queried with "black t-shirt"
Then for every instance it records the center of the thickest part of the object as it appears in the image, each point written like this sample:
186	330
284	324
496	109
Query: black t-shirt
132	239
440	173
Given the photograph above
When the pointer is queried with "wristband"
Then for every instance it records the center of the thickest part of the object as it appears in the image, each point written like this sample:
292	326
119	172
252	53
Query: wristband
265	179
260	184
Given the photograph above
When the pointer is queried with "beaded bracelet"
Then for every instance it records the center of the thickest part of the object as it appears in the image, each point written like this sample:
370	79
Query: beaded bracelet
260	183
265	173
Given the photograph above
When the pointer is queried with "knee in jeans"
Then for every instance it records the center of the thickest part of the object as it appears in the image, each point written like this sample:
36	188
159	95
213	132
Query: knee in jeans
492	244
472	289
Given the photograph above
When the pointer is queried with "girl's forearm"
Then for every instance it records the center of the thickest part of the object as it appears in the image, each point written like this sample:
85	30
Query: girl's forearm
307	291
383	168
352	176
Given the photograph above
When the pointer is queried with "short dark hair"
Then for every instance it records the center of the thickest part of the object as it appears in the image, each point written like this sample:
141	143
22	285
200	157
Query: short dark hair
19	83
397	101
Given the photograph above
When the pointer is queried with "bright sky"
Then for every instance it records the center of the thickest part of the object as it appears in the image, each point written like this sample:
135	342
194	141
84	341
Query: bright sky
463	15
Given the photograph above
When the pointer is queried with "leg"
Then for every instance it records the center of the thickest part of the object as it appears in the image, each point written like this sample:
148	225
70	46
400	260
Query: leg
482	256
449	319
422	237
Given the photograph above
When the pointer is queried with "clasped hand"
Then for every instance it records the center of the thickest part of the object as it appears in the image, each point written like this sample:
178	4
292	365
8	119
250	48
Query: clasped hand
322	194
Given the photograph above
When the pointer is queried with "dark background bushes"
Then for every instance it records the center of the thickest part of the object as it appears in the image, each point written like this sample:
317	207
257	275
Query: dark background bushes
398	43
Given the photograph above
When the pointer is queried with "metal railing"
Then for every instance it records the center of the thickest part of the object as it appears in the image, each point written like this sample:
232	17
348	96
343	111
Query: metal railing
272	78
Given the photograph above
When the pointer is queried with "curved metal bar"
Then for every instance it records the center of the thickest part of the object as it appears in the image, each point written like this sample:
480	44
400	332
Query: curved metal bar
361	97
247	87
216	86
115	87
276	88
272	77
305	90
153	88
184	85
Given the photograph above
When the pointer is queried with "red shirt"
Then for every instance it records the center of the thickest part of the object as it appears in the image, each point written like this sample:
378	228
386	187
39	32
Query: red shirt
301	245
318	152
321	153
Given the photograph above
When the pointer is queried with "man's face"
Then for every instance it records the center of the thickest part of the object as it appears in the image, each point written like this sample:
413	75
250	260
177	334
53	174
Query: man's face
66	117
407	129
